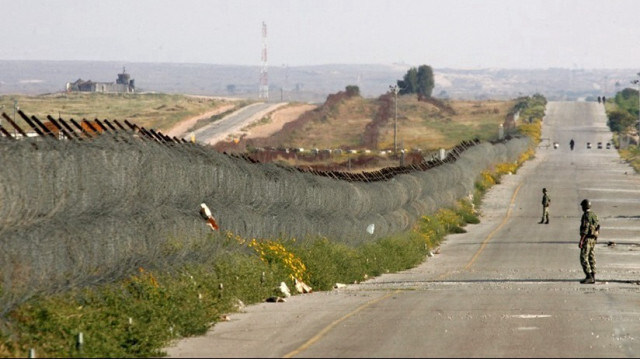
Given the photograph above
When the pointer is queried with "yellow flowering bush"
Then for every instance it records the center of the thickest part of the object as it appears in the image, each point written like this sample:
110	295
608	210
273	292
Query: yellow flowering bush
526	155
426	230
533	130
485	181
447	217
506	167
450	220
487	178
431	229
274	252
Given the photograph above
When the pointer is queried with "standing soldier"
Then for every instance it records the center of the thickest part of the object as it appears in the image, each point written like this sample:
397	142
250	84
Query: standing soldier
546	200
589	230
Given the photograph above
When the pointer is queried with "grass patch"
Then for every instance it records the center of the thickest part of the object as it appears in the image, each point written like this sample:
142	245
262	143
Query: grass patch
631	154
420	124
156	111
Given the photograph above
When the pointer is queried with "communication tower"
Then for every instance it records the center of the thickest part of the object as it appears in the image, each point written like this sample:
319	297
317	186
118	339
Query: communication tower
264	79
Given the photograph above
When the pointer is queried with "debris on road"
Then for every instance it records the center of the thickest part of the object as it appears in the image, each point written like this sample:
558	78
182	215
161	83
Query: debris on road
301	287
239	305
434	252
284	289
276	300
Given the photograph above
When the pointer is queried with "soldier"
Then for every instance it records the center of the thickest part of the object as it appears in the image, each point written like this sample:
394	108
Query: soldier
589	230
546	200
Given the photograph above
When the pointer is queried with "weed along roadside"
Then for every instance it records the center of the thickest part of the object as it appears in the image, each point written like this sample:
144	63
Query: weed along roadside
162	301
150	308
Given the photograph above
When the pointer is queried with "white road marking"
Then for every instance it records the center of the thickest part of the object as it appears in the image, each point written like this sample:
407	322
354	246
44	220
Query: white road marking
531	316
528	328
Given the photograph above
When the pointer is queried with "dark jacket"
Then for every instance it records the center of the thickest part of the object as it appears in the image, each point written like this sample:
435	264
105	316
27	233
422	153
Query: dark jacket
546	200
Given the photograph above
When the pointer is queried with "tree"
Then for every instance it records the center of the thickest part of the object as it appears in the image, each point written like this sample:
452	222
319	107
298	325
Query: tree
627	99
409	84
352	90
620	120
417	80
425	80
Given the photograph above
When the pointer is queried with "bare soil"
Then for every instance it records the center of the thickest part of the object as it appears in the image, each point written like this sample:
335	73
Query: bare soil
279	118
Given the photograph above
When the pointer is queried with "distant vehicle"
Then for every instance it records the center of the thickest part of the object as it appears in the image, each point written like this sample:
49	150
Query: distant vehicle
588	144
608	145
555	145
599	145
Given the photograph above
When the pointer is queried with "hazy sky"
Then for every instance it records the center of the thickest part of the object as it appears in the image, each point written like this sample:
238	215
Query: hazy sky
467	34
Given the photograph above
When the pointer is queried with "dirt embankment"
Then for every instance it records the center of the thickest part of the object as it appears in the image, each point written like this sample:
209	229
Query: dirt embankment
371	135
296	121
279	119
266	134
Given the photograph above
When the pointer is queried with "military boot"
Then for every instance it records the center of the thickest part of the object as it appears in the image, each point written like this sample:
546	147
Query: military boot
591	279
585	279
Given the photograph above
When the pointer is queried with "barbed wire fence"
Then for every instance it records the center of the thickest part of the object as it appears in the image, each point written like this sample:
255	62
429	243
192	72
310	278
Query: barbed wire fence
92	208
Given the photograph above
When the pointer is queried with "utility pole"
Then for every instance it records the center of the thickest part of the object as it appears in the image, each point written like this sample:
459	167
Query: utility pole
394	89
637	83
264	79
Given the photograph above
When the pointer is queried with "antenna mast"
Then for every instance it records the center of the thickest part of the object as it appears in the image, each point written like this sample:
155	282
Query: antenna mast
264	80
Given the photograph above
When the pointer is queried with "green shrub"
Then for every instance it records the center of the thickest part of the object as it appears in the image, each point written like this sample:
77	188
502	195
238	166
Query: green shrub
330	262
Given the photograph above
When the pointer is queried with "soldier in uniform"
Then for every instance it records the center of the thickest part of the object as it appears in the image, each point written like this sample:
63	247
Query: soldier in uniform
546	200
589	228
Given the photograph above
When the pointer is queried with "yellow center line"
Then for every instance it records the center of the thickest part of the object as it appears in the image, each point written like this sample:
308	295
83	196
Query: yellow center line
326	330
504	221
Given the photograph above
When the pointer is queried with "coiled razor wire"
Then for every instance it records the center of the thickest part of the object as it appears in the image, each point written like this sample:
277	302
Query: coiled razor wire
76	213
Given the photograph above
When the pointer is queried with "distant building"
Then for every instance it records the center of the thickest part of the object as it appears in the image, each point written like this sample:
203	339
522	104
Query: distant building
124	84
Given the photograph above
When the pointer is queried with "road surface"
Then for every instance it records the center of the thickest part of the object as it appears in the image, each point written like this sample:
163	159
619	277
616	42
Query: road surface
509	287
219	130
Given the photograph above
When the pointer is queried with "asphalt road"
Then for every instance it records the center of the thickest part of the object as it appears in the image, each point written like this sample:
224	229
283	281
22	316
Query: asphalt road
509	287
234	122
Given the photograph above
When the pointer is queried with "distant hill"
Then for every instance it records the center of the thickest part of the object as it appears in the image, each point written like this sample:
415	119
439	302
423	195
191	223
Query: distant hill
312	83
